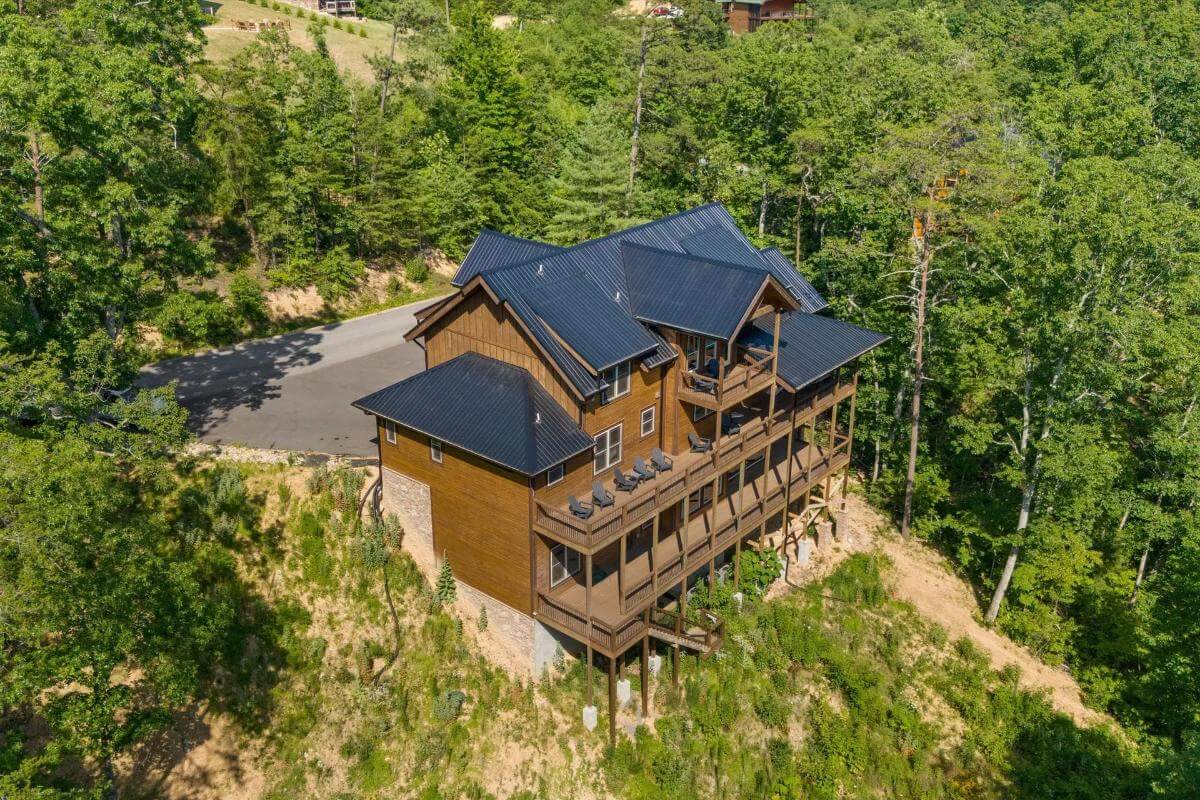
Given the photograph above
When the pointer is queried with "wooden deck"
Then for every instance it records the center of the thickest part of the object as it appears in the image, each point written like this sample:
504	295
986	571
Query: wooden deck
616	609
691	470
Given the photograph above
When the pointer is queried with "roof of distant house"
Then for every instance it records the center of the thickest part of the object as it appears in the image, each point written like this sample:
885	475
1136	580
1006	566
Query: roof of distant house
487	407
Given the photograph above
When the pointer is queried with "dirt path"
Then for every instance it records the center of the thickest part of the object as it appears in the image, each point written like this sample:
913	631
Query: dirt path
923	578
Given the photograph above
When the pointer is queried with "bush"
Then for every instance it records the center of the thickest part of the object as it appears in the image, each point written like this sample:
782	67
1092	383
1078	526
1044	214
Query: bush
274	6
337	24
758	571
416	270
247	300
362	32
195	318
335	274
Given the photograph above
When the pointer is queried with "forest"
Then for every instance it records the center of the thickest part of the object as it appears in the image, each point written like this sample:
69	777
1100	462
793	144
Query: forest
1010	189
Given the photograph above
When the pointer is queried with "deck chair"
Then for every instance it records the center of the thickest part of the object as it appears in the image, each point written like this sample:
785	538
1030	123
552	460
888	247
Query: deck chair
699	443
660	461
641	470
580	509
601	497
624	483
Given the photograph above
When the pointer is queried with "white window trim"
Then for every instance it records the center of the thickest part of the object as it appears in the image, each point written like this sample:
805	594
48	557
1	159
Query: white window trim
436	450
609	463
620	376
562	473
653	420
565	560
389	431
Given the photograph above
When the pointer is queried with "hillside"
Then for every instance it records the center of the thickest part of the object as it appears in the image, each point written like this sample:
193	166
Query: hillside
348	49
835	689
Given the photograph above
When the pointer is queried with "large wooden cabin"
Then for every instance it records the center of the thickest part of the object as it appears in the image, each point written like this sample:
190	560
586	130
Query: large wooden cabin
549	368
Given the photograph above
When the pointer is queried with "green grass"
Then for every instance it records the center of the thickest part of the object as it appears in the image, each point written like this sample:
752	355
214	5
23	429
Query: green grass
347	47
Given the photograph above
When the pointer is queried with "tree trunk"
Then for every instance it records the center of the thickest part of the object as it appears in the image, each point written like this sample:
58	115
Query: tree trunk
1141	574
447	13
914	436
637	109
387	76
1011	562
762	210
796	225
875	464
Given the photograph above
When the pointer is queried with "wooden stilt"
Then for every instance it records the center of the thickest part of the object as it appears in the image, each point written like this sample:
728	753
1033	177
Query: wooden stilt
675	666
646	670
591	692
612	700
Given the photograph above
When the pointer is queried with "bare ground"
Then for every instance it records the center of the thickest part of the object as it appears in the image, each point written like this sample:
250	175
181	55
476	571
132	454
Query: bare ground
923	578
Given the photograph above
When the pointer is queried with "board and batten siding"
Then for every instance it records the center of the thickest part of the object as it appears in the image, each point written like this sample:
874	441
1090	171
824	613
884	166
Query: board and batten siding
480	514
478	325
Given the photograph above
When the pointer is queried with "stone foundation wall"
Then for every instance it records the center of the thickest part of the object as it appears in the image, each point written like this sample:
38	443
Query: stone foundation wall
507	627
409	501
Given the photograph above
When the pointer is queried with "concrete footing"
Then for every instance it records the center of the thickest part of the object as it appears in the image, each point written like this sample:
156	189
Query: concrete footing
824	535
624	693
590	717
654	664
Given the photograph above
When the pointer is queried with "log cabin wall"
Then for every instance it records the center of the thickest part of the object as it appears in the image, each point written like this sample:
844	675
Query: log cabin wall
480	325
480	514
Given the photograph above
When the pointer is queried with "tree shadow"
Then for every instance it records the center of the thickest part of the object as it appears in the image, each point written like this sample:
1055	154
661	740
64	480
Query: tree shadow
212	384
1051	757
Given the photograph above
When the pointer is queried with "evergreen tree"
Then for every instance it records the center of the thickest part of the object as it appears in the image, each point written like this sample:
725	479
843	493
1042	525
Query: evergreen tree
588	196
445	589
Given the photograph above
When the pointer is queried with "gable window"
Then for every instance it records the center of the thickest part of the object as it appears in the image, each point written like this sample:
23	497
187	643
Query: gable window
554	475
700	351
564	562
435	450
617	378
608	449
389	431
647	421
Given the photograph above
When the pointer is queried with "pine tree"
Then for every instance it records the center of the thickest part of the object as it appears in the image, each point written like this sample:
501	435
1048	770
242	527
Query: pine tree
588	196
446	590
483	620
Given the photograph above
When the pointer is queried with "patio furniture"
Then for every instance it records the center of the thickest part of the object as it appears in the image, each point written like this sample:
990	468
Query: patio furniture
643	472
699	443
601	497
661	462
580	509
624	483
701	385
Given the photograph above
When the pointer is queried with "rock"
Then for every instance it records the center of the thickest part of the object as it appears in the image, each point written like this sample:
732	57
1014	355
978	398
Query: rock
590	717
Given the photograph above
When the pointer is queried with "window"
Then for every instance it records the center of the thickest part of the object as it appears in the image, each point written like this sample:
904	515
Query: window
695	346
617	379
608	449
389	429
554	475
700	412
647	421
564	562
435	450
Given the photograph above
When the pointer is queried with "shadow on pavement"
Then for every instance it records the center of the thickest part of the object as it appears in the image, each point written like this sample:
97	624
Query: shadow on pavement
213	384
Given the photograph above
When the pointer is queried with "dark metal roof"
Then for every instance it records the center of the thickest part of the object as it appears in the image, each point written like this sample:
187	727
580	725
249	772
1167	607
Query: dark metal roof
810	299
810	345
492	409
720	243
689	293
593	324
493	250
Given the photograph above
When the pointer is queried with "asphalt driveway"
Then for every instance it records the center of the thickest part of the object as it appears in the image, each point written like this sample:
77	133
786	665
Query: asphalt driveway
293	392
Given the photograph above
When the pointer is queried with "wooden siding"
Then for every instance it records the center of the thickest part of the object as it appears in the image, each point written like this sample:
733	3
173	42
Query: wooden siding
479	325
645	390
480	515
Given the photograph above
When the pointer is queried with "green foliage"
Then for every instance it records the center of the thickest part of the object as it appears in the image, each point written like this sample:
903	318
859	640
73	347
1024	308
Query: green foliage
482	624
416	270
758	570
446	589
193	319
247	300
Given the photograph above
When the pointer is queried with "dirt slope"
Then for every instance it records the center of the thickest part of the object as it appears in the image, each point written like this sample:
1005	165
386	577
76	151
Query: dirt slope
923	578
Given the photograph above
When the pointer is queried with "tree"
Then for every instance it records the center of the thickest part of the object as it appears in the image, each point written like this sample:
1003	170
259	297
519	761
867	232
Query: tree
446	588
589	193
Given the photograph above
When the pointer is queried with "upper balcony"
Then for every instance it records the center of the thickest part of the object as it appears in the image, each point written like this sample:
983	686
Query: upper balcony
718	384
690	471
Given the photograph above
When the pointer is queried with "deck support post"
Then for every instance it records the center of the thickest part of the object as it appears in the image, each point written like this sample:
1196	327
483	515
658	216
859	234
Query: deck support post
675	666
646	668
612	700
712	529
588	609
591	692
621	573
737	562
832	446
654	553
774	371
720	401
787	487
850	436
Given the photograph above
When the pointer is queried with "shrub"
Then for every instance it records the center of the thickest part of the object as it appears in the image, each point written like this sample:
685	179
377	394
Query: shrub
274	6
758	571
448	705
335	273
416	270
195	318
483	620
337	24
247	300
362	32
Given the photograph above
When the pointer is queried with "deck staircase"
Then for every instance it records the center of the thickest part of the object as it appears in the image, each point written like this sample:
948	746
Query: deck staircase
703	636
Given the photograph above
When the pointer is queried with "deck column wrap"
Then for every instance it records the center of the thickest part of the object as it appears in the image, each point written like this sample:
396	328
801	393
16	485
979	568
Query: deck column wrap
720	401
588	609
612	700
621	573
832	445
850	435
646	665
774	371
